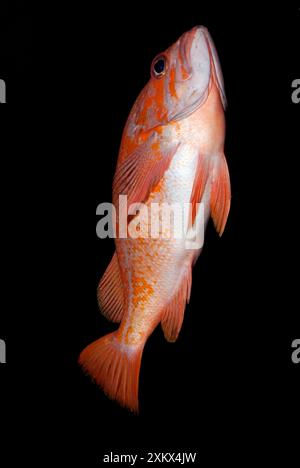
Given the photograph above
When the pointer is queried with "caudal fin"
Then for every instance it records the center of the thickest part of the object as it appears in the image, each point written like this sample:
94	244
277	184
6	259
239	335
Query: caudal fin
115	367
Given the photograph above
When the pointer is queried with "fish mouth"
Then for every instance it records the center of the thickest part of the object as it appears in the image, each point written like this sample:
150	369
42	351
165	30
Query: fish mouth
185	54
194	59
187	43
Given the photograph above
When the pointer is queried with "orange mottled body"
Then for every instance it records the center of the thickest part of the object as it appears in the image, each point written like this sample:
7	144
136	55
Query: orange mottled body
171	154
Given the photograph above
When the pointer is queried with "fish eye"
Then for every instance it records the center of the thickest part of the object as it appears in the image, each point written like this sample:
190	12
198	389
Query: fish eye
159	66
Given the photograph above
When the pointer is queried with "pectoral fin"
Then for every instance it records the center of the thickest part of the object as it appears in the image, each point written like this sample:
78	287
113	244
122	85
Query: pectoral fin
142	170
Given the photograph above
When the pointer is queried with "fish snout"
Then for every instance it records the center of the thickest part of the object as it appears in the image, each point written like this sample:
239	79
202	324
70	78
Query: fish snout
193	52
199	52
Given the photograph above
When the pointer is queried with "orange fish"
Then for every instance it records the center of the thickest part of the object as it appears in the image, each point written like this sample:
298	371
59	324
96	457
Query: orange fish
172	151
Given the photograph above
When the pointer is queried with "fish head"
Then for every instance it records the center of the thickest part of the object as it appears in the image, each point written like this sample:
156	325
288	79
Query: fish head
192	66
180	82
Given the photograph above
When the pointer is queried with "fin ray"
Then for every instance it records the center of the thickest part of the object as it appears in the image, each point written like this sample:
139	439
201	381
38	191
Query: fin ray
115	367
220	195
141	171
173	314
201	177
110	292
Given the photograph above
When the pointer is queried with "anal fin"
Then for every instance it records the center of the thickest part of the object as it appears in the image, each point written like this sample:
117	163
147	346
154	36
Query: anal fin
173	314
110	292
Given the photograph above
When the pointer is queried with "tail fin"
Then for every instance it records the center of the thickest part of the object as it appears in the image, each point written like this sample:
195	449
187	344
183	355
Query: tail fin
115	367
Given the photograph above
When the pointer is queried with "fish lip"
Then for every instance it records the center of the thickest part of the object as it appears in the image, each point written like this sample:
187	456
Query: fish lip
186	43
185	53
185	47
214	58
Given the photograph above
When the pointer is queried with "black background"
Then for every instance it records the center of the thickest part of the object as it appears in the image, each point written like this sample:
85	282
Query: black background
227	388
16	49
